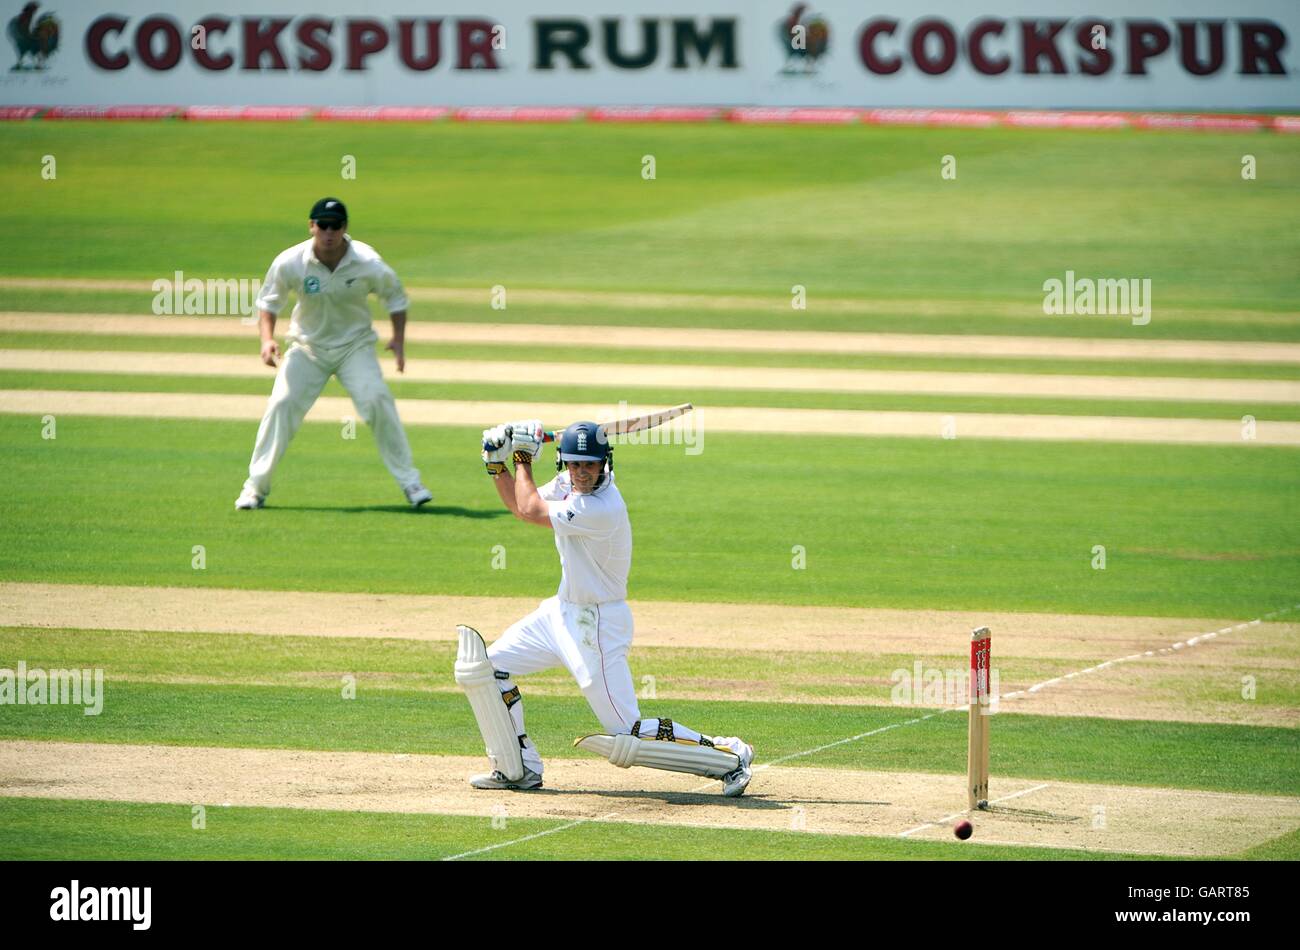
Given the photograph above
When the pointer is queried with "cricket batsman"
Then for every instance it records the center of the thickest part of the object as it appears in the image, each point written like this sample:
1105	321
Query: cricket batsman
586	627
330	334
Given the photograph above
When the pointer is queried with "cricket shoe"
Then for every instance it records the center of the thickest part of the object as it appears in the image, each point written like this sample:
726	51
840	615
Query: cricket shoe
417	495
529	780
736	781
249	499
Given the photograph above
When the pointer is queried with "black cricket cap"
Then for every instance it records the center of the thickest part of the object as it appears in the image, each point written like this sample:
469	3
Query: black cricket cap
329	209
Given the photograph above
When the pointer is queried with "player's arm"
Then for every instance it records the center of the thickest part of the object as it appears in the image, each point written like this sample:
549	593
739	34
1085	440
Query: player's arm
526	443
270	301
393	295
519	493
529	504
505	485
497	449
266	327
398	343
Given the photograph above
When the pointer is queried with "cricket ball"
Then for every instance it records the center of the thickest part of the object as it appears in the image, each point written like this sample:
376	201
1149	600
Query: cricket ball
963	829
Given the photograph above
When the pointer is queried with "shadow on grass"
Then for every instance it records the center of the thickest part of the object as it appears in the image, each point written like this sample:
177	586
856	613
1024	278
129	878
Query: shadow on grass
454	511
748	802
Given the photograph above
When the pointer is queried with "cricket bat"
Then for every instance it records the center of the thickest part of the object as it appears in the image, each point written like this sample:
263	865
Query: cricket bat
625	426
635	424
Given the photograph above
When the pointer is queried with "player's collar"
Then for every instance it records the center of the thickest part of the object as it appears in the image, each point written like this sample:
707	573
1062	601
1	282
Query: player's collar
309	256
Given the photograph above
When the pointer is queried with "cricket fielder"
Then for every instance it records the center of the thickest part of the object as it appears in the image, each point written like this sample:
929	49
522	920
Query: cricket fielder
330	334
586	627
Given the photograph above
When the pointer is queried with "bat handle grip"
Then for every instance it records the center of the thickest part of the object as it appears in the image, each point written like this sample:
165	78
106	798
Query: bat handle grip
546	437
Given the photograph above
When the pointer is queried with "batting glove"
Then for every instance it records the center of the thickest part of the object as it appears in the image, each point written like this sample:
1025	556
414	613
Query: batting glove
526	438
496	449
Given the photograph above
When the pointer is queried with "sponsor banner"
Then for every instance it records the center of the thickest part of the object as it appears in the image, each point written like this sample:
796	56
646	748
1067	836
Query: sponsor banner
275	113
142	112
77	112
215	113
794	116
1219	123
247	113
381	114
1067	120
936	117
653	114
518	114
1096	55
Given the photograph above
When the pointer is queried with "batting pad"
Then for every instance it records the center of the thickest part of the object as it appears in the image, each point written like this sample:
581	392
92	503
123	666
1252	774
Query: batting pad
476	676
626	751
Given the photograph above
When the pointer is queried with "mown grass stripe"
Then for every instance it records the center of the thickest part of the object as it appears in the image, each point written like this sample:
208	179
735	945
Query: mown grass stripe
37	829
1262	760
672	352
702	379
650	300
1181	691
629	341
1210	326
689	431
524	394
965	524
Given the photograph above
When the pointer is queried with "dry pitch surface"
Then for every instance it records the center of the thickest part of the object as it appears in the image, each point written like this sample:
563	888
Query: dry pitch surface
826	801
1100	818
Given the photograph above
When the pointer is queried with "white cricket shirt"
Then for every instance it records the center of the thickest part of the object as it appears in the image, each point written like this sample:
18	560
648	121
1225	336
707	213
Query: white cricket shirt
594	538
332	308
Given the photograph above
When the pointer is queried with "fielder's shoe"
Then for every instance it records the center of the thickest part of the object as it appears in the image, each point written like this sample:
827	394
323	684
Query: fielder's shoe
249	499
417	495
735	782
497	779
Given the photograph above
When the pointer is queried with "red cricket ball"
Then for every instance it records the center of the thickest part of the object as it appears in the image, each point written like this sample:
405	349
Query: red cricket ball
963	829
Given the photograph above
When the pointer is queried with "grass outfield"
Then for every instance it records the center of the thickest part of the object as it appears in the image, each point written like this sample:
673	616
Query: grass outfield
1189	530
588	351
1210	757
560	216
760	399
402	664
849	678
845	211
1197	320
1123	752
40	829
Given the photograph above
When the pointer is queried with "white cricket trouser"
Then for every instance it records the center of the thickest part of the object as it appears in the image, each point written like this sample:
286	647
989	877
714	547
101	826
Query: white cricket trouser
591	641
303	373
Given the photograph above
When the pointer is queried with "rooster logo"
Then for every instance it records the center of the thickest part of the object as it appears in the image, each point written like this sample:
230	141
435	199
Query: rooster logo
37	40
805	37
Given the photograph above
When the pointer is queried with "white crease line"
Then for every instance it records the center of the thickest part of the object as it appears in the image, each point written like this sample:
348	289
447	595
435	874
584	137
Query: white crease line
1191	641
1027	791
572	824
899	725
929	824
1172	648
1089	849
861	735
958	814
539	834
